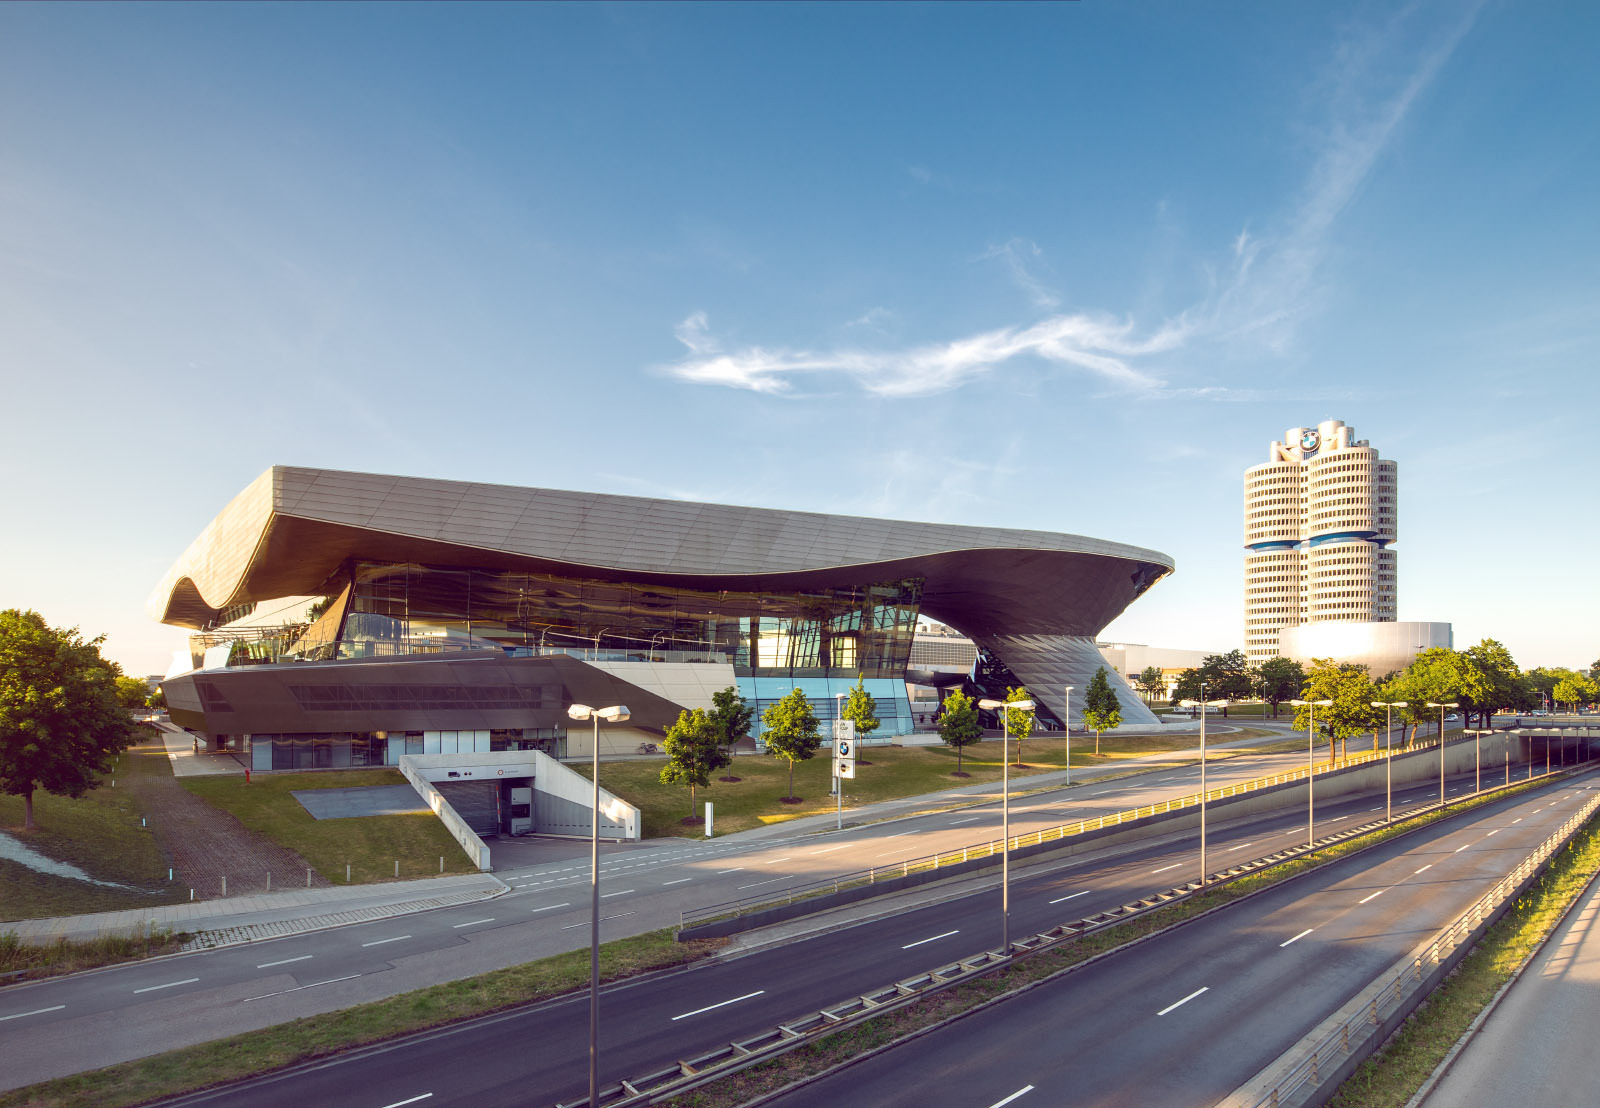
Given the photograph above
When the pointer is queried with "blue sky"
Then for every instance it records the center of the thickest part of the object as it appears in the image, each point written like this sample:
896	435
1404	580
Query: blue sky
1069	267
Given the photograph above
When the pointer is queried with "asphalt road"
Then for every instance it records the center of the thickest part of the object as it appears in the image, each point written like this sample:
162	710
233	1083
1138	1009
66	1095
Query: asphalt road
1187	1018
539	1055
143	1008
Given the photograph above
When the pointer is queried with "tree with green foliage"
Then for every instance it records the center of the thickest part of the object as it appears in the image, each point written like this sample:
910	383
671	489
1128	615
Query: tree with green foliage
1352	693
1226	676
1187	687
791	732
133	693
1499	682
959	725
61	719
694	752
731	716
1575	689
1018	724
1281	679
158	699
1101	710
1151	683
861	709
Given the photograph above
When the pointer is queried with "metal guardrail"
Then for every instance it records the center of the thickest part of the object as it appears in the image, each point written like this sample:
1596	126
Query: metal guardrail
1404	989
826	885
687	1074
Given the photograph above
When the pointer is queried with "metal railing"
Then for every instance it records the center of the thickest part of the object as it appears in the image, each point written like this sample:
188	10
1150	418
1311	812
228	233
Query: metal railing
1400	989
825	886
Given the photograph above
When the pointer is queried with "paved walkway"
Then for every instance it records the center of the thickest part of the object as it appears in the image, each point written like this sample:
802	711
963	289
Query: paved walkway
188	760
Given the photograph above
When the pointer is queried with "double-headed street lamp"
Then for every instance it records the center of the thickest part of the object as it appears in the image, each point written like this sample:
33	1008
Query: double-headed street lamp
614	714
1388	707
1203	704
1005	810
1442	707
1311	770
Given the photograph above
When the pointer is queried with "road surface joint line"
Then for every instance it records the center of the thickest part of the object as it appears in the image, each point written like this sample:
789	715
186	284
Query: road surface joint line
1185	1000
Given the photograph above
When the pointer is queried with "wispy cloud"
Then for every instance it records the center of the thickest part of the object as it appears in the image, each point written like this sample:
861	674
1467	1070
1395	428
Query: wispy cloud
1264	284
872	317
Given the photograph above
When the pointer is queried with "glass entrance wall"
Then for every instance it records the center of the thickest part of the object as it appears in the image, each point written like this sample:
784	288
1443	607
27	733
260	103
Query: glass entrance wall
408	609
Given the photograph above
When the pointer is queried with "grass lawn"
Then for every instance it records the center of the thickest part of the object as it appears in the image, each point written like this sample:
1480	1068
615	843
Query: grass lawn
100	834
894	772
370	844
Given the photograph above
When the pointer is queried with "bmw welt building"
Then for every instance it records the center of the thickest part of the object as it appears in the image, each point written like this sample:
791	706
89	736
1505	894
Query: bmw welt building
351	618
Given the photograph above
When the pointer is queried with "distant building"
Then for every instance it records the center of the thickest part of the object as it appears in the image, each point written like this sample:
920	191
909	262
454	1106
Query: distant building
1129	660
1384	648
1319	518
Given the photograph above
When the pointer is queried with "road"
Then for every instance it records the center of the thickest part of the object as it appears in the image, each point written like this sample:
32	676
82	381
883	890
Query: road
539	1055
1187	1018
143	1008
1534	1048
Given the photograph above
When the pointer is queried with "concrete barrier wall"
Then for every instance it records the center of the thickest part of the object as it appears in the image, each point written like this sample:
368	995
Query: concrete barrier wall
476	848
1408	768
561	800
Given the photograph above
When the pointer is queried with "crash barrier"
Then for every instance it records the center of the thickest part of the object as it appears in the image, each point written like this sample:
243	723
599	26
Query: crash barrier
688	1074
731	917
1310	1072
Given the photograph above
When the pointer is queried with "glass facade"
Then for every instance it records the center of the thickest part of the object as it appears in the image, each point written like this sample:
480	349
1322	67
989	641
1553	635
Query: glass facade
405	609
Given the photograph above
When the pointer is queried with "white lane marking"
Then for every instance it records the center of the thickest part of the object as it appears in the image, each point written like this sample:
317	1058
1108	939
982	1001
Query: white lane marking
1426	867
1379	808
168	985
550	907
1516	821
301	988
969	819
35	1012
1460	848
1297	938
830	849
1374	896
403	1103
1336	819
474	923
735	869
1013	1096
935	938
621	892
775	861
1496	831
1241	846
585	923
380	942
679	881
719	1004
1185	1000
1074	896
768	881
284	961
1164	869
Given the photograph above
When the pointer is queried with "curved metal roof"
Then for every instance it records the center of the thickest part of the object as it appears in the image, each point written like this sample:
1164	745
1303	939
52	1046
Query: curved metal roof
290	530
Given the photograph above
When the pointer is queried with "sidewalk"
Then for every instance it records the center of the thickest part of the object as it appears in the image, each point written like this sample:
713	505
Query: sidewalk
269	915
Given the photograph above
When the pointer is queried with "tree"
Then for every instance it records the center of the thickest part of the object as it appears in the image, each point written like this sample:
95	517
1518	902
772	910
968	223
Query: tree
158	699
731	716
694	752
1499	680
60	716
1225	676
1575	689
1151	683
132	693
861	708
1281	679
1352	693
1018	725
1101	712
958	724
1187	687
791	732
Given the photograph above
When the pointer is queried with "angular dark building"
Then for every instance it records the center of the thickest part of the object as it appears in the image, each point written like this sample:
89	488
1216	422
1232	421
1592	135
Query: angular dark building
349	618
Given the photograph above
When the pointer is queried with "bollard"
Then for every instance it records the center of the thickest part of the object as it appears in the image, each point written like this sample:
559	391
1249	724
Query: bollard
141	821
397	867
191	894
169	875
347	873
708	819
441	863
308	877
269	881
224	886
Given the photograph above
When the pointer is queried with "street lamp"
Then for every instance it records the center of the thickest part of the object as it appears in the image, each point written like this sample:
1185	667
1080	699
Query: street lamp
1203	705
1067	720
1441	707
1005	811
1477	758
1311	785
614	714
1388	707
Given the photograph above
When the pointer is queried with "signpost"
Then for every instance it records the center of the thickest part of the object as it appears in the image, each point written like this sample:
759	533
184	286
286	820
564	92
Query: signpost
844	761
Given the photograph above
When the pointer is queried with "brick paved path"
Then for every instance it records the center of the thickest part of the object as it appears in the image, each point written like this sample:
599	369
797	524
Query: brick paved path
206	844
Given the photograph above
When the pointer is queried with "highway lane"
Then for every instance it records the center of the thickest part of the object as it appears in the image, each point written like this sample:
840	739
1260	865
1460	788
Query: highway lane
130	1011
1188	1017
540	1054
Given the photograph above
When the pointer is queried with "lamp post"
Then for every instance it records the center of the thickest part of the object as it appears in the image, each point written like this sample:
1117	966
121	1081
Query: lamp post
1067	723
1441	707
1203	704
1005	811
1311	771
1477	758
1388	707
614	714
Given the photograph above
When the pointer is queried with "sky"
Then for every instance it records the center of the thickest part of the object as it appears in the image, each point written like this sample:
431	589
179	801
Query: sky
1069	267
